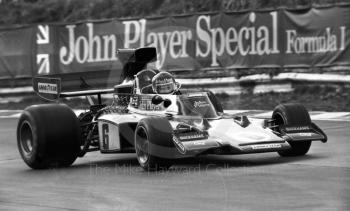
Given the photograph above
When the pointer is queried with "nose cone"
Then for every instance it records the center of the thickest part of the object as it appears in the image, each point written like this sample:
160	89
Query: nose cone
230	132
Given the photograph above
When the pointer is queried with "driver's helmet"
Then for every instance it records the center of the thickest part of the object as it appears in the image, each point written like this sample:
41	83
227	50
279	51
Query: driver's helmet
164	83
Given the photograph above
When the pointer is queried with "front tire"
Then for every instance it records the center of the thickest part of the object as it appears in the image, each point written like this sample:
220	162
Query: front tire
292	115
153	138
48	136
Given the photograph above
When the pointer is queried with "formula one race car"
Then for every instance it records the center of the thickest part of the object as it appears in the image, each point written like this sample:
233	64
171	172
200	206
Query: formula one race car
152	116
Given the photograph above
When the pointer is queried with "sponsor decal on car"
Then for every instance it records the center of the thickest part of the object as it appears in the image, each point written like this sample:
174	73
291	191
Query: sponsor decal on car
149	106
195	95
192	136
200	104
145	103
179	145
266	146
305	134
47	88
164	81
297	128
198	143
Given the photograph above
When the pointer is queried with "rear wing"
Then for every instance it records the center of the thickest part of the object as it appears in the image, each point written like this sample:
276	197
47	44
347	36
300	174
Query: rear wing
50	89
139	55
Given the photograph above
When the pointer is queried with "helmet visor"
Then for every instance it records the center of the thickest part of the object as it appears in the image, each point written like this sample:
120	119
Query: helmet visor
165	88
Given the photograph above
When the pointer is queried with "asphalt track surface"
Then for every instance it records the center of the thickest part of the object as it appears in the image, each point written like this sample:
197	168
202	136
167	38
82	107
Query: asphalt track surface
318	181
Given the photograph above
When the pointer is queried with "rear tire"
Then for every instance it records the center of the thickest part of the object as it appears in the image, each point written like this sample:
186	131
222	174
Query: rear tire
48	136
151	136
293	115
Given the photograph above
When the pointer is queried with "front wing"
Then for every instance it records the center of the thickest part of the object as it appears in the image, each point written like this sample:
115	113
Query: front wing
219	142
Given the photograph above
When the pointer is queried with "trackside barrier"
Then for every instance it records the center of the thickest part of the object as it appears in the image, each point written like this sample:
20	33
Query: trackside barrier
280	38
231	85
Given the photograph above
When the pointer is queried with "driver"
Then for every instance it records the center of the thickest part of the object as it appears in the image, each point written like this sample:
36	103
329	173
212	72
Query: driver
164	83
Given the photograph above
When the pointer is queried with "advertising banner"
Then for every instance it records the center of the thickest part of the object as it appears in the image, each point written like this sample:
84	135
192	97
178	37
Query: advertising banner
17	52
313	37
89	46
316	37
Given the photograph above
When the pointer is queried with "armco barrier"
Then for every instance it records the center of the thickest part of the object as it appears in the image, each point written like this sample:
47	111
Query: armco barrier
259	83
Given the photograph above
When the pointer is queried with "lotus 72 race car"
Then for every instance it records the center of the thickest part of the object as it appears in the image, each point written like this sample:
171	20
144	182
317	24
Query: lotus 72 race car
152	116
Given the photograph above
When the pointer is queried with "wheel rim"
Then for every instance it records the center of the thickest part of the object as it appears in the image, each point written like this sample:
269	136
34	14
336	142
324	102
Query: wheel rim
279	120
26	138
141	146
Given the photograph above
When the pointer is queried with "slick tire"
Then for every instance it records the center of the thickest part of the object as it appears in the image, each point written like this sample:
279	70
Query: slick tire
293	114
48	136
153	144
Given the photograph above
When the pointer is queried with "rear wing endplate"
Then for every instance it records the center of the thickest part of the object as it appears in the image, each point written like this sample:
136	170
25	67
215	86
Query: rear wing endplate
47	88
50	89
